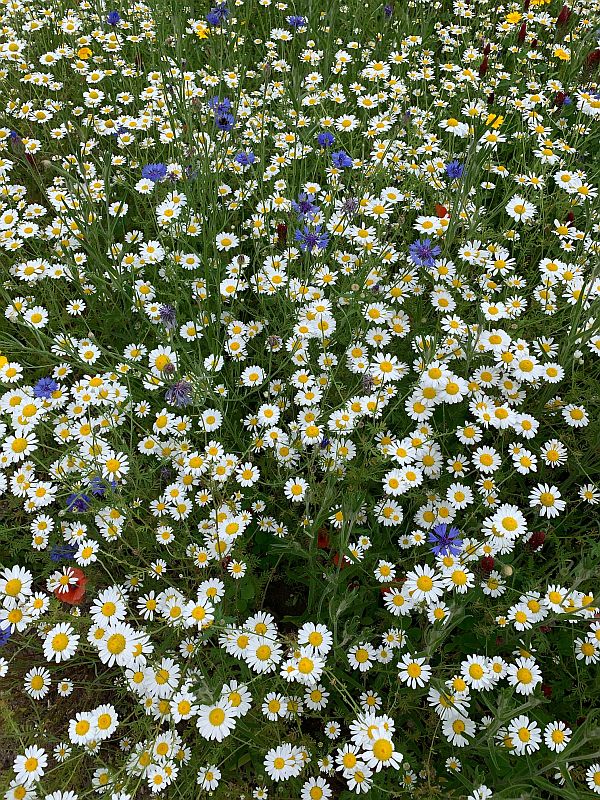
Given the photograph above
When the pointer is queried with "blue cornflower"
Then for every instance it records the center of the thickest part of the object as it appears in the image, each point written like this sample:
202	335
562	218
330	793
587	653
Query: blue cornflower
65	552
388	10
44	388
4	636
113	18
217	15
154	172
216	104
78	502
245	157
567	101
179	394
97	486
454	169
444	541
310	240
304	207
168	316
423	253
224	121
341	159
325	139
297	21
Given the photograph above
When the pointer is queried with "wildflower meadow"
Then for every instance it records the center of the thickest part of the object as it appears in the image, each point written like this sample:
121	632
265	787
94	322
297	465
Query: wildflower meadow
299	399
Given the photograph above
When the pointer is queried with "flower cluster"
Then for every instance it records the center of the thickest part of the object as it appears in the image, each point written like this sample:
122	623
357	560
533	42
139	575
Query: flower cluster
298	363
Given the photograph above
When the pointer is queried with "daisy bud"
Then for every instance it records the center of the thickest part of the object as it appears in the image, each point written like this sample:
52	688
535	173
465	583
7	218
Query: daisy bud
507	570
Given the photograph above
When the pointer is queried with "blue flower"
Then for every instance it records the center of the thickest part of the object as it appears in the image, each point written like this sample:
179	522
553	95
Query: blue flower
341	159
304	207
113	18
454	169
64	552
217	15
311	240
444	541
224	121
78	502
4	636
154	172
244	158
179	394
297	21
44	388
325	139
423	253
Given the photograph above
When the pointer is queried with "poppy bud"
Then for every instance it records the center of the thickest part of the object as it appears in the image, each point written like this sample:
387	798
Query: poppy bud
281	234
487	564
339	561
522	32
592	59
483	67
536	540
559	99
322	539
570	217
564	15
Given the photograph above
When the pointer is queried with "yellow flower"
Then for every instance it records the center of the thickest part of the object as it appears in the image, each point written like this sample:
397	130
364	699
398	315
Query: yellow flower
84	53
202	32
514	17
560	52
494	120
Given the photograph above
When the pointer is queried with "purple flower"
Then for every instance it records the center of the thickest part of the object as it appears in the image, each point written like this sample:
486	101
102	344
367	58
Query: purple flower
325	139
98	487
454	169
44	388
297	21
444	541
423	253
65	552
224	121
311	240
244	158
388	10
179	394
167	316
341	159
154	172
78	502
217	15
113	18
304	206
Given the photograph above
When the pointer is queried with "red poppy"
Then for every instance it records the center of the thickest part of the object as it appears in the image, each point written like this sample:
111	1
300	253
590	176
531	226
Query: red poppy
323	539
74	594
441	211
